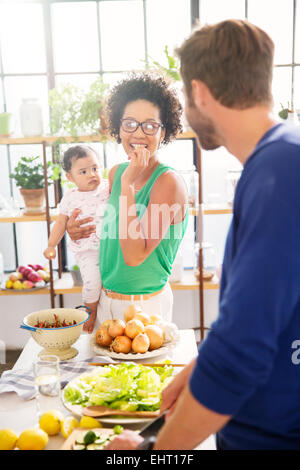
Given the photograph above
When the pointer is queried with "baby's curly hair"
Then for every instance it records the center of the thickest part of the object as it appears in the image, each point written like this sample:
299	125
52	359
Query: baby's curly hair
150	87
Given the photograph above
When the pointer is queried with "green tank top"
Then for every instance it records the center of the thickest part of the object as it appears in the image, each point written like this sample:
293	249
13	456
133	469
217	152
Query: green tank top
151	275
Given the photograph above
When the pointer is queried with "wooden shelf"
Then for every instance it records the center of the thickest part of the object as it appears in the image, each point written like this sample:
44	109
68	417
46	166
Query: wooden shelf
65	285
217	209
212	209
29	218
50	139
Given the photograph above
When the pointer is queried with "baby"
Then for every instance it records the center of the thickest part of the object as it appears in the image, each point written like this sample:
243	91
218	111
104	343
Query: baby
82	167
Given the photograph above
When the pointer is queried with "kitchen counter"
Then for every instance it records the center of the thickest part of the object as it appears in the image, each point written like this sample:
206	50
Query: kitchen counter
19	414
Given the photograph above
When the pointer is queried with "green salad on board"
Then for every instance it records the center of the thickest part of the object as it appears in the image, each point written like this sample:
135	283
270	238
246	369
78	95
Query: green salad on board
125	387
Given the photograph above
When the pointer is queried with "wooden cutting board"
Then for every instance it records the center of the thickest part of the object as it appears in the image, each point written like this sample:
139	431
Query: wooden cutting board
70	441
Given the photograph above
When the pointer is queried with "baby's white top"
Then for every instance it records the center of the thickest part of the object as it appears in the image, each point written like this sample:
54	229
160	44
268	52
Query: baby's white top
91	204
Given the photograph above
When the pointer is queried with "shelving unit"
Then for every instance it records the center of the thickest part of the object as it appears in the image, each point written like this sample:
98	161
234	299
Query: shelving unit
64	284
213	209
28	218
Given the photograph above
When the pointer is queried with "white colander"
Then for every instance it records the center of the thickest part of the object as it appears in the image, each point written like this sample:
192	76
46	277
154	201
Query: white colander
57	341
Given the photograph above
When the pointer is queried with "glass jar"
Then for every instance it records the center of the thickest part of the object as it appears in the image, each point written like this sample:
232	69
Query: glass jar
31	117
209	257
191	178
208	260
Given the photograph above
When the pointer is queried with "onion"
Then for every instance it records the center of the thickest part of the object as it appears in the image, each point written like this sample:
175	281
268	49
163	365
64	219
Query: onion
121	344
133	328
143	317
170	330
102	336
130	312
116	328
155	335
141	343
106	323
155	318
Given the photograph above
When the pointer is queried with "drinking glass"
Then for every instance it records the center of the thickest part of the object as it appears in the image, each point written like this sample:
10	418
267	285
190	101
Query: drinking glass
47	383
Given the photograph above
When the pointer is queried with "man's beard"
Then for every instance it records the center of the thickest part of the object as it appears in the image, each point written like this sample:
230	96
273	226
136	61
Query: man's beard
203	128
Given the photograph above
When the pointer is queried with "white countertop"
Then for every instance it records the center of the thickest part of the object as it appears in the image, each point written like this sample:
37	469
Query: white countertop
19	414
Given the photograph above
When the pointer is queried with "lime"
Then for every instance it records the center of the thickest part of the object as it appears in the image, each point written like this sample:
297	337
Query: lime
50	422
8	439
68	425
32	439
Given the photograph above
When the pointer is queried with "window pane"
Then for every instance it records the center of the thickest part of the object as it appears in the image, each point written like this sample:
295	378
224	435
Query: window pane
75	39
82	81
17	88
22	38
215	165
6	230
168	23
213	11
297	91
297	40
276	18
122	35
281	87
113	78
1	99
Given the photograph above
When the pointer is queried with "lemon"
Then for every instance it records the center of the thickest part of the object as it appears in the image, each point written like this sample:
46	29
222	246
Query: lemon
88	422
50	422
32	439
68	425
8	439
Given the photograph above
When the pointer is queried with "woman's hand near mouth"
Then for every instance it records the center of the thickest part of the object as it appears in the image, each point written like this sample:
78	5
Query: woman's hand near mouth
139	160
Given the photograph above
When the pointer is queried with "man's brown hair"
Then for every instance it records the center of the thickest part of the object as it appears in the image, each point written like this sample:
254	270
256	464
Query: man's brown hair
234	58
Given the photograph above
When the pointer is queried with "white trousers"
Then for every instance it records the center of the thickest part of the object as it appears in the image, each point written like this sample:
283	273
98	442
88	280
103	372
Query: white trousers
88	262
161	304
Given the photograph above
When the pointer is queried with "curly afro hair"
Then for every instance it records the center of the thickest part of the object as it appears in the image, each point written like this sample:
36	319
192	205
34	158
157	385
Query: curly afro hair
150	87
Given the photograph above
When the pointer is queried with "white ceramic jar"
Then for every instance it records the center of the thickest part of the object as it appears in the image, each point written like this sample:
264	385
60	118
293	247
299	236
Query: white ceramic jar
31	117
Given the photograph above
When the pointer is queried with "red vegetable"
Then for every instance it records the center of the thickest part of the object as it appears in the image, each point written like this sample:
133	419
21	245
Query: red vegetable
56	324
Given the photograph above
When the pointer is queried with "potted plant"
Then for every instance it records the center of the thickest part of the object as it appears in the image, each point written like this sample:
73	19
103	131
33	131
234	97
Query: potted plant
287	113
171	70
75	112
29	177
171	67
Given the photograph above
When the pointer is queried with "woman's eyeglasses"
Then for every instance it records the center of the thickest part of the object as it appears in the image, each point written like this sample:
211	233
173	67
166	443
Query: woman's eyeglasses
148	127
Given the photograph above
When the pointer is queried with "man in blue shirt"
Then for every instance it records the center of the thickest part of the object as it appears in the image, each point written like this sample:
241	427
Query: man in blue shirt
245	383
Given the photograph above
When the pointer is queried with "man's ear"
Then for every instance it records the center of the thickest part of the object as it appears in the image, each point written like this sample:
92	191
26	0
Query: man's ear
200	93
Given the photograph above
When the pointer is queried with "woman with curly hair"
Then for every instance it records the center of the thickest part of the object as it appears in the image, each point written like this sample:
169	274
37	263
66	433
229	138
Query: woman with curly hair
146	215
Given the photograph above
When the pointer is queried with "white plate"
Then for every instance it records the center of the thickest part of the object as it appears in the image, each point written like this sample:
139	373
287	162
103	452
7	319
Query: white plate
77	411
102	351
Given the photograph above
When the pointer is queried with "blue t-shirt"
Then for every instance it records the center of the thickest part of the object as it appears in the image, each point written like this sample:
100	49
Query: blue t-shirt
248	365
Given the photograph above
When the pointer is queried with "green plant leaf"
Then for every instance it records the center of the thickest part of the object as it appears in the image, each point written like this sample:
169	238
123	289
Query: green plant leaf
75	112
